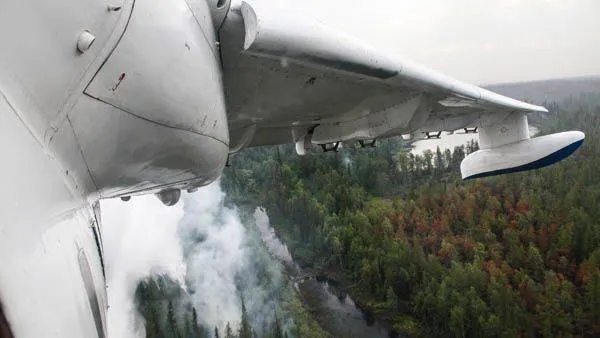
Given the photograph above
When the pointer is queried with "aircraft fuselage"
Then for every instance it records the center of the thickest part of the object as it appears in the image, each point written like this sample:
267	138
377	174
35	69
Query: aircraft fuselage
97	100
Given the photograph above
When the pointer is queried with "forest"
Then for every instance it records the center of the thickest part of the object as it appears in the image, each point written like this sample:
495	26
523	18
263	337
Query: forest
420	249
168	315
514	255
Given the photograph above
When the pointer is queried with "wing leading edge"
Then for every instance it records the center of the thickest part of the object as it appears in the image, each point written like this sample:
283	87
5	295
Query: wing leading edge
290	80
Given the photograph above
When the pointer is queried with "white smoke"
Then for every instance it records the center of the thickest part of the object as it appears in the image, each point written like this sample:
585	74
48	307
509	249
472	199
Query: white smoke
200	243
225	262
275	246
140	240
346	160
213	238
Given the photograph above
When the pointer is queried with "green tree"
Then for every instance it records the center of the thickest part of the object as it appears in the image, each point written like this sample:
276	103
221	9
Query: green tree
245	330
172	328
229	331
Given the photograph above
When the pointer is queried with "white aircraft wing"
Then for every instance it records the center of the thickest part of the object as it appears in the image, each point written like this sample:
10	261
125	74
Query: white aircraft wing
288	79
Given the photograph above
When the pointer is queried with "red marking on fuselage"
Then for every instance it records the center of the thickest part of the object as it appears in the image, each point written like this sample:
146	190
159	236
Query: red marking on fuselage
119	80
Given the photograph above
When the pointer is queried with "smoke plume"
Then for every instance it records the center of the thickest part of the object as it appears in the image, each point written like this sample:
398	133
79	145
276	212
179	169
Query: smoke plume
225	262
200	243
140	240
274	245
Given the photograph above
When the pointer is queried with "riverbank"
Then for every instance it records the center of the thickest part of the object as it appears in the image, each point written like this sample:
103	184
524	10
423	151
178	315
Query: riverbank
323	295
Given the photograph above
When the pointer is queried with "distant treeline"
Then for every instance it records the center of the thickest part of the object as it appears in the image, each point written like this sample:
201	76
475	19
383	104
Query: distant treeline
544	91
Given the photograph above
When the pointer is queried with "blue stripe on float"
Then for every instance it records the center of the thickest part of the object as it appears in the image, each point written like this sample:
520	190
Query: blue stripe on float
542	162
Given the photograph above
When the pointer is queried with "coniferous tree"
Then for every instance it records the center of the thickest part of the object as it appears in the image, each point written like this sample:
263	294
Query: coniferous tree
172	329
245	330
152	322
228	331
189	331
278	331
195	327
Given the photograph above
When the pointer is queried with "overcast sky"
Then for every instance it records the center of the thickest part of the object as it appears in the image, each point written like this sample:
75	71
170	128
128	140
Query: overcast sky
478	41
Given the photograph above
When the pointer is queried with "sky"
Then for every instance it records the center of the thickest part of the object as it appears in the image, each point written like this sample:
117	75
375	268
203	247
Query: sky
478	41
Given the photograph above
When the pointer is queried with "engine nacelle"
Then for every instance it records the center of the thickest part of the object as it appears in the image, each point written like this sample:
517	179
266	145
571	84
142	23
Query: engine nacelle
153	116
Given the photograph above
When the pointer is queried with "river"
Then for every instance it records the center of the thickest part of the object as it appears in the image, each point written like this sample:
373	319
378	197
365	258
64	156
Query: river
330	305
337	313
